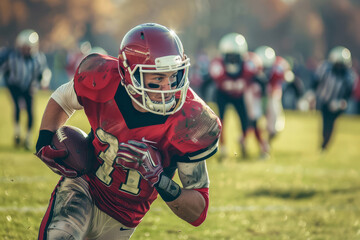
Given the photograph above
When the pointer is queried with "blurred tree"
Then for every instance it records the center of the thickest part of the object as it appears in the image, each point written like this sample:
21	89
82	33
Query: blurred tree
303	28
341	20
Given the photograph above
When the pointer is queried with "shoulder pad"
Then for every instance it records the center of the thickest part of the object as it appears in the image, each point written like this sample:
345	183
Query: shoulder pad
282	63
254	62
196	127
97	78
251	67
216	68
280	67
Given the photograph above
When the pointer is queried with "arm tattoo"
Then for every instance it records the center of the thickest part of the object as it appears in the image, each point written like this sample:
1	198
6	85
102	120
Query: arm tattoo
193	175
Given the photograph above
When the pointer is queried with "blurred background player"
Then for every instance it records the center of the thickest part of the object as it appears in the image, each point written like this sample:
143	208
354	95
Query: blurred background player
24	68
231	73
294	87
253	96
276	70
74	58
333	86
199	72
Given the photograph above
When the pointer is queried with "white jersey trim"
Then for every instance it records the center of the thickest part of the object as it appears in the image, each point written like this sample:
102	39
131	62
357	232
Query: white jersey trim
204	154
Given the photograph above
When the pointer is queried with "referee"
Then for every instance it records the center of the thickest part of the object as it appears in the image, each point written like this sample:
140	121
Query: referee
333	85
22	68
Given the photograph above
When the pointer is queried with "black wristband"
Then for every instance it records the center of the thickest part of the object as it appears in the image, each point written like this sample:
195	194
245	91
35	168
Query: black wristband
167	188
45	137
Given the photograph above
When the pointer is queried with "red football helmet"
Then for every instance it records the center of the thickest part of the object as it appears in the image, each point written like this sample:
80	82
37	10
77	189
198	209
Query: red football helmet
153	48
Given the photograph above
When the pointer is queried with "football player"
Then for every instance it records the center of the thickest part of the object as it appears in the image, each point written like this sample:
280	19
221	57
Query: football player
146	123
23	69
276	70
231	73
253	96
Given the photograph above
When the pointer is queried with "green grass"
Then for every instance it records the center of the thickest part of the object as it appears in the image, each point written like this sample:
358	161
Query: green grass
299	193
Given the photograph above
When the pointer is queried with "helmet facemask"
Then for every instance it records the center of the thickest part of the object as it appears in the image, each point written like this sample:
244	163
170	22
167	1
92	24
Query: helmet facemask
233	63
163	105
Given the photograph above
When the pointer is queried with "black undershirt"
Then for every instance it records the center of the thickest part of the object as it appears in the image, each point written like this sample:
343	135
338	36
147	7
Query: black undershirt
133	118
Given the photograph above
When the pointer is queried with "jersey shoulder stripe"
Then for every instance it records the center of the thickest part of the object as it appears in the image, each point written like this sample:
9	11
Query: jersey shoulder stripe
204	153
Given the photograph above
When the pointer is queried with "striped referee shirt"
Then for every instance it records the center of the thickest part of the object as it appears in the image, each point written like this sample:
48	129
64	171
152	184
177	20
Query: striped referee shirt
331	85
21	71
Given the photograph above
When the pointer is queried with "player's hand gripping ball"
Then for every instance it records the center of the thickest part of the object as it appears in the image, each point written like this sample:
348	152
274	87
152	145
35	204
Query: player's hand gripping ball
142	157
80	155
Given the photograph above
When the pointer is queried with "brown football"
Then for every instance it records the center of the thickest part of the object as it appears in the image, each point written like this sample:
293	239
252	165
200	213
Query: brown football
80	152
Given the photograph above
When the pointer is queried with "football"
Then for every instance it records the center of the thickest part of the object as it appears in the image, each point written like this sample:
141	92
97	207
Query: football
80	152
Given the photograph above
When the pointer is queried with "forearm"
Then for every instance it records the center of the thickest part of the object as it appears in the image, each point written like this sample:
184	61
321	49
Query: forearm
62	104
192	203
188	206
54	116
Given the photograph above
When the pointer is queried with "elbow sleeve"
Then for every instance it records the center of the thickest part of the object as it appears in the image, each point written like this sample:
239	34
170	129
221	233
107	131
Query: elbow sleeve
205	193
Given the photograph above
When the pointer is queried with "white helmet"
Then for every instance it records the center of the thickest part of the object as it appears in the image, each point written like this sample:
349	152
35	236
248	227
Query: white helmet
28	38
233	47
267	55
341	55
233	43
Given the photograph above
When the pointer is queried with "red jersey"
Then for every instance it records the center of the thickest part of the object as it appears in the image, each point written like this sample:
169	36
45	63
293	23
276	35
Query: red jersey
256	65
277	73
190	134
218	73
356	91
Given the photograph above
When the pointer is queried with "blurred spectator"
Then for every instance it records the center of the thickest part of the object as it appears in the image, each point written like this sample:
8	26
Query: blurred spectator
198	72
333	85
76	56
293	90
231	73
57	61
24	68
99	50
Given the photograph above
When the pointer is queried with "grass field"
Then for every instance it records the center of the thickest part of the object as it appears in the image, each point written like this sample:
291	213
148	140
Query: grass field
299	193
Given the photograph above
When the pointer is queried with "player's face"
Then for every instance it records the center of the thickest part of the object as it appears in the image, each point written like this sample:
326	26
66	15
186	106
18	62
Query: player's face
160	81
26	50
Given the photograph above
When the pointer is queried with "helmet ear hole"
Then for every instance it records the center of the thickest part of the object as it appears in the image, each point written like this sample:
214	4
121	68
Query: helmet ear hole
122	71
137	76
180	78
